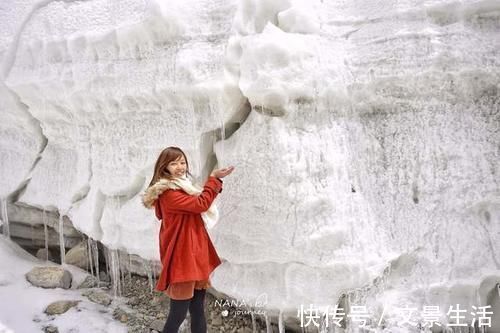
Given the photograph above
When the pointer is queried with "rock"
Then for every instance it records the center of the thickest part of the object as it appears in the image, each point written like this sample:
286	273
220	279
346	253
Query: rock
49	277
89	282
44	254
50	329
121	315
27	229
217	321
157	325
161	299
133	301
147	314
78	256
99	297
60	307
33	216
104	277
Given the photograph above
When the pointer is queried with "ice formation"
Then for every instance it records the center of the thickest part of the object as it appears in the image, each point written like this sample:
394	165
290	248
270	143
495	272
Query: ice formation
364	134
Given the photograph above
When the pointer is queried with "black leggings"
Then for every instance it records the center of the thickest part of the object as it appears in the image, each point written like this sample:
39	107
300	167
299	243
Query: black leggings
178	311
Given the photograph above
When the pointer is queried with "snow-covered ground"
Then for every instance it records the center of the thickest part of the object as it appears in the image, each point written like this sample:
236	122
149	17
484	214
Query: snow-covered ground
22	305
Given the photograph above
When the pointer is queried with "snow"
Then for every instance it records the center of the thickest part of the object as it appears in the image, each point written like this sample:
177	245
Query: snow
299	19
22	302
364	135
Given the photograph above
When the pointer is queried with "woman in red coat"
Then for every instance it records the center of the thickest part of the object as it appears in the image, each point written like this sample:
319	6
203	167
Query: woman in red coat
187	254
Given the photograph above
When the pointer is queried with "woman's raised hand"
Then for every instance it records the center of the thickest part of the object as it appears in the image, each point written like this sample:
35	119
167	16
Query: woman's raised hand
221	173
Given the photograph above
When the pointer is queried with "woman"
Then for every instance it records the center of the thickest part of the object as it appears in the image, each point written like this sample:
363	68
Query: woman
186	251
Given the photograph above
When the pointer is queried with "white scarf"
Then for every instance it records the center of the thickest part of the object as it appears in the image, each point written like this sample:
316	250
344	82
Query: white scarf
210	217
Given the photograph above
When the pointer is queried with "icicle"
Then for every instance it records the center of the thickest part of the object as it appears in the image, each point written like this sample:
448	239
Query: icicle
281	326
348	303
268	324
122	270
95	251
129	267
45	233
5	218
118	273
148	271
61	239
153	273
89	250
254	329
324	325
108	264
108	259
114	271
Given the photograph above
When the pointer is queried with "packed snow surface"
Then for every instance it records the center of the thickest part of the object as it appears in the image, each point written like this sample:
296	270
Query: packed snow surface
364	135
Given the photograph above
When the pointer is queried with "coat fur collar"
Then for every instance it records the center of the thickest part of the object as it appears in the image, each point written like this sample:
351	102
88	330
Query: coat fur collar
152	193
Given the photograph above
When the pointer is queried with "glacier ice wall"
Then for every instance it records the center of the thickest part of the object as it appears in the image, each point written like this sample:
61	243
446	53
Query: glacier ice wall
364	134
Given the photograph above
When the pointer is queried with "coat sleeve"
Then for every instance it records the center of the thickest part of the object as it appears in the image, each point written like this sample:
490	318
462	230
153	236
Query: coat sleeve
181	202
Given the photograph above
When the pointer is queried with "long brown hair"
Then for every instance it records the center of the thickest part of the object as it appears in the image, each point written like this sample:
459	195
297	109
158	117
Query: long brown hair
167	155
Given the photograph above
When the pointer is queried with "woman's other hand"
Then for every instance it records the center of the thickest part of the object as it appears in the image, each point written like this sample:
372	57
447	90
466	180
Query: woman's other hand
221	173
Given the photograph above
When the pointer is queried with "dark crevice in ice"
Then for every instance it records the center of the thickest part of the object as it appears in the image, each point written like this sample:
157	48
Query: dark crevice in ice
415	193
21	188
210	138
83	192
132	190
277	111
8	63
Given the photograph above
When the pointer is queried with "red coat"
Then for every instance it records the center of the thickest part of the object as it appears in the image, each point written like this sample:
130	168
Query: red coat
186	251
